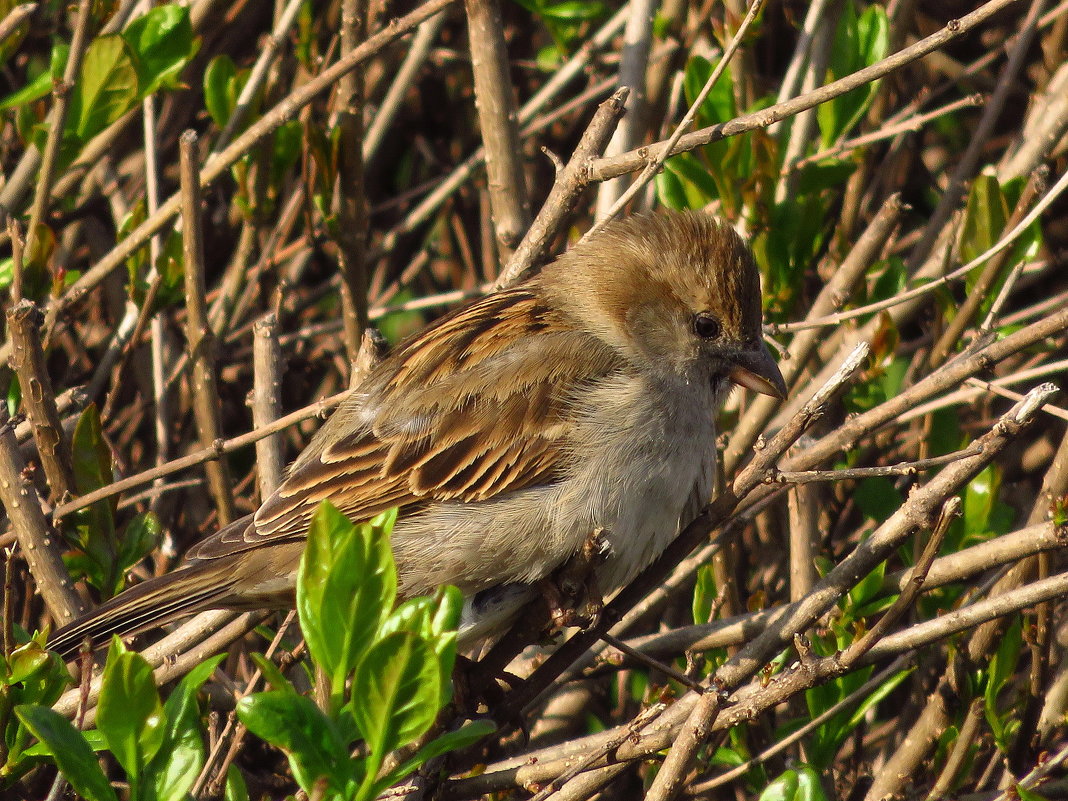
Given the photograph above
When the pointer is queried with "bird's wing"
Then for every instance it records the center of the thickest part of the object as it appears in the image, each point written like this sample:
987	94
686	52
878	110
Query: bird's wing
472	408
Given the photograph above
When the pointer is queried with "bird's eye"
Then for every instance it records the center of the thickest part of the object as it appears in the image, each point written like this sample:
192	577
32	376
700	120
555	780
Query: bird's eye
706	325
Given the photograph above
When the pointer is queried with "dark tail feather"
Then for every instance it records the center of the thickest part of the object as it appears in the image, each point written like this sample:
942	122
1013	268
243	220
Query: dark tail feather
149	604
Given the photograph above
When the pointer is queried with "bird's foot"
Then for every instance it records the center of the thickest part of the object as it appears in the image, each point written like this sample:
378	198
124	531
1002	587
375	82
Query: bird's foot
572	592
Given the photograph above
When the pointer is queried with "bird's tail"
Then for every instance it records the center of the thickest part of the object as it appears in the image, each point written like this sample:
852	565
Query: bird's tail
149	604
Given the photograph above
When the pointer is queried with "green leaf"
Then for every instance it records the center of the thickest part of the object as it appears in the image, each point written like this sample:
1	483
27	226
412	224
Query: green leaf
797	784
395	691
822	176
106	90
783	788
868	588
288	145
161	43
697	181
74	757
858	42
41	85
272	675
669	190
890	281
794	237
984	218
719	105
92	459
877	498
297	726
235	785
221	88
346	587
435	620
573	10
25	661
1002	668
181	755
704	595
129	714
1028	795
95	526
141	536
31	678
980	499
809	787
877	695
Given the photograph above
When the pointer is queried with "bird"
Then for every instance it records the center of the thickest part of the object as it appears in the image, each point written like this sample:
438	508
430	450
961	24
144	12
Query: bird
581	399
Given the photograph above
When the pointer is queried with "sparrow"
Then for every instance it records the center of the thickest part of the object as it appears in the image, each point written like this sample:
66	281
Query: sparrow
582	399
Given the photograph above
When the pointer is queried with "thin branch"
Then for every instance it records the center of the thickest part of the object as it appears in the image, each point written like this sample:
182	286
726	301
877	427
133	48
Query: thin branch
57	121
498	122
219	165
199	337
265	402
1004	242
41	546
657	162
568	186
610	167
350	201
15	17
28	361
218	449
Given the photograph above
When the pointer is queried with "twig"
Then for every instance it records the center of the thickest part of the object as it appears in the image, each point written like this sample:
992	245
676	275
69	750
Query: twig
413	61
40	545
851	700
218	449
757	697
966	738
657	162
350	201
847	434
57	121
640	721
796	617
610	167
798	134
18	245
980	386
236	150
775	476
199	338
1005	241
1046	123
954	191
498	121
977	293
834	293
233	731
176	654
268	49
28	361
912	123
633	68
568	185
950	569
266	404
14	18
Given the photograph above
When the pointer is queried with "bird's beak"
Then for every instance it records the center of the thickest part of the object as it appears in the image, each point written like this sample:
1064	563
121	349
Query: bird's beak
757	370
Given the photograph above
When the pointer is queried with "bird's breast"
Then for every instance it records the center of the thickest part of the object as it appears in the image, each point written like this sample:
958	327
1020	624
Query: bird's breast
645	457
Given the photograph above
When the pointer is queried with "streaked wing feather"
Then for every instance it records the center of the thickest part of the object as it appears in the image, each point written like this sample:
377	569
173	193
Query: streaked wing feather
424	429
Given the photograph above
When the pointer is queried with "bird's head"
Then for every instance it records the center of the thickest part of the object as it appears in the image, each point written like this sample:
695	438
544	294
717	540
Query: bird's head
673	291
